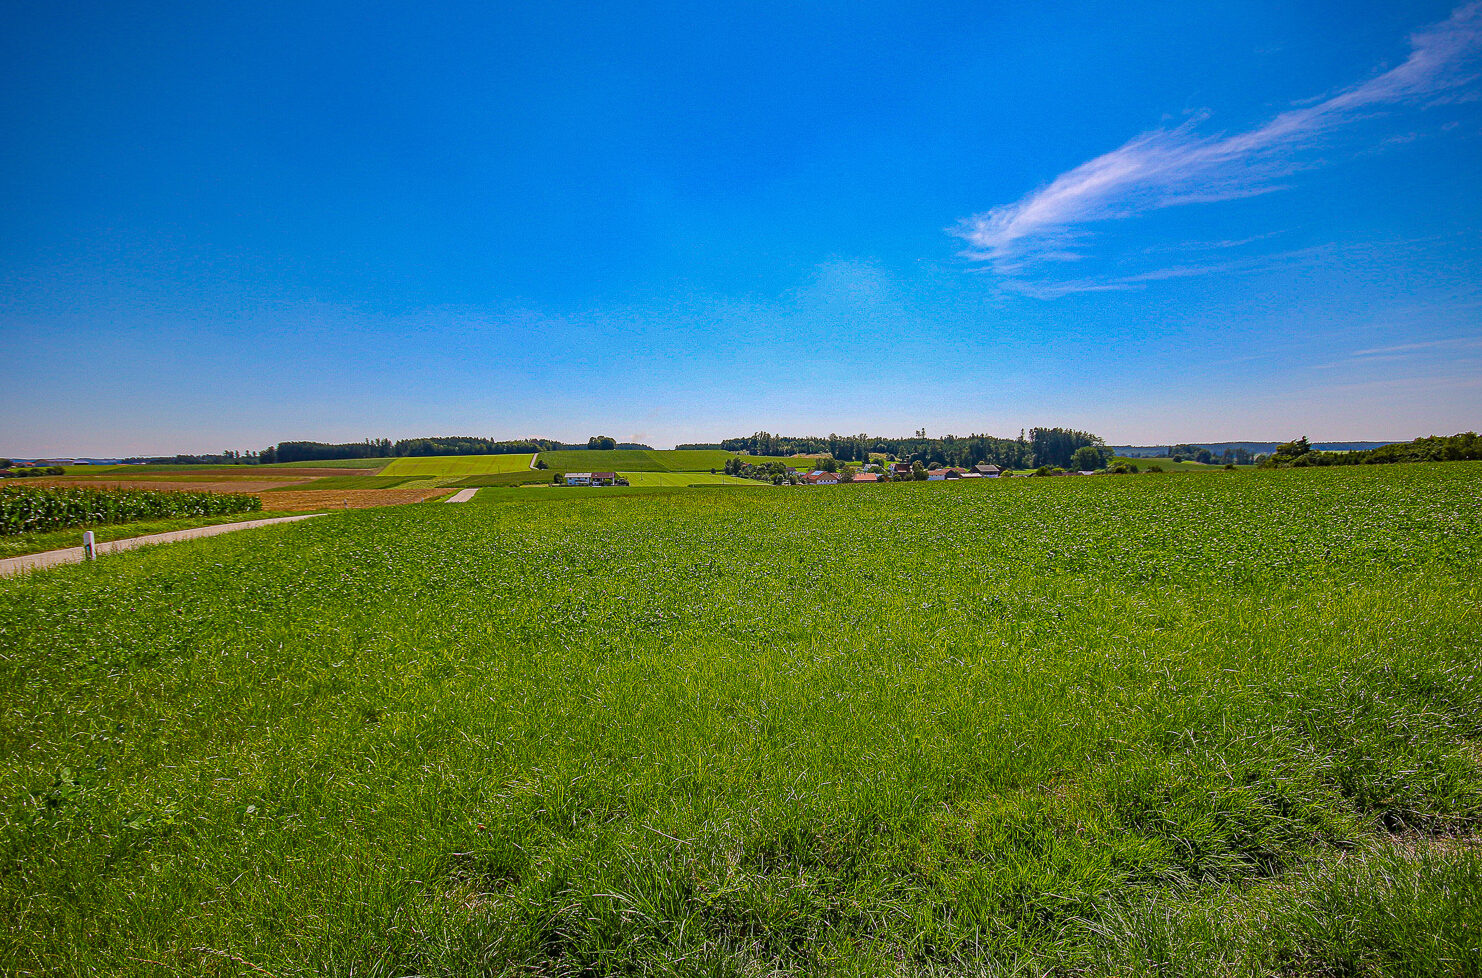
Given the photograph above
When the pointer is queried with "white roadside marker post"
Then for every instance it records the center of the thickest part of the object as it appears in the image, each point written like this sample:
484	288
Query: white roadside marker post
87	545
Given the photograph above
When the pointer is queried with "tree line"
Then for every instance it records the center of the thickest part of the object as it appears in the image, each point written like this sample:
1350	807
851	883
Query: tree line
1206	456
1039	447
1032	449
318	451
1299	453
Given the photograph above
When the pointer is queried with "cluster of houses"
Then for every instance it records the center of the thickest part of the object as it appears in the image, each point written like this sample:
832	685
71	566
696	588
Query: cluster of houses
894	472
901	472
595	479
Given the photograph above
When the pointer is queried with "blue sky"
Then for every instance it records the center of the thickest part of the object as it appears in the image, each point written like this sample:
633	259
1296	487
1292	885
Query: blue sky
227	225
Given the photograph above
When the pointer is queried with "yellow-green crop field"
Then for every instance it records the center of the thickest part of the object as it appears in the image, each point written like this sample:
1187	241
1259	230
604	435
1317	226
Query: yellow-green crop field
1130	726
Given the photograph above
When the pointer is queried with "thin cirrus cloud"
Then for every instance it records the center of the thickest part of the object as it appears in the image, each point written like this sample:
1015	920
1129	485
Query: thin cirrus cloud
1166	168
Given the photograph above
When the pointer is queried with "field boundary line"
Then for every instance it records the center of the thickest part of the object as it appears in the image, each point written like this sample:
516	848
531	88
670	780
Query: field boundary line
11	566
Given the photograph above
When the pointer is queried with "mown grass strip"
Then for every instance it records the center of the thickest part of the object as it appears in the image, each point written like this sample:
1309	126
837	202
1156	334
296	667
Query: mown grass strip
35	543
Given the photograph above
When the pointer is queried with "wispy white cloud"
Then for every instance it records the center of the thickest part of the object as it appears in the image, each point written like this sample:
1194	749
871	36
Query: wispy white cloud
1178	166
1455	341
1043	288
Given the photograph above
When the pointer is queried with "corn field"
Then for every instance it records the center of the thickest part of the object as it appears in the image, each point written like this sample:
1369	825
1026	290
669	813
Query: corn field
27	509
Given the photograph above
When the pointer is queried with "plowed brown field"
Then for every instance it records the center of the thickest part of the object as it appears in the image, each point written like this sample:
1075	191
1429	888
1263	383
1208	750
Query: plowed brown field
329	499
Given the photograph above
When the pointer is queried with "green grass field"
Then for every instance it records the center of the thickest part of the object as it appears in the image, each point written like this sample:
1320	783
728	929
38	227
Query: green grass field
688	479
526	477
457	465
641	460
351	482
339	463
1169	465
545	476
1137	726
584	495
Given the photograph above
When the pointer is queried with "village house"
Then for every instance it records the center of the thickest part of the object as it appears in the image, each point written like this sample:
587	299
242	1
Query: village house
987	471
941	475
867	477
592	479
817	478
900	470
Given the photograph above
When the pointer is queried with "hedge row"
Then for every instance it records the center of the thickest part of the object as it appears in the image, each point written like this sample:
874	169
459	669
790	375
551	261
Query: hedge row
27	509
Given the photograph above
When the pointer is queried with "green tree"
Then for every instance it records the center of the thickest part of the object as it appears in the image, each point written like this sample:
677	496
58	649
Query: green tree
1294	449
1088	458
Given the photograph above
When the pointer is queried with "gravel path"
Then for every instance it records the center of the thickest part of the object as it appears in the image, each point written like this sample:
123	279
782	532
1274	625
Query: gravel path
462	496
74	555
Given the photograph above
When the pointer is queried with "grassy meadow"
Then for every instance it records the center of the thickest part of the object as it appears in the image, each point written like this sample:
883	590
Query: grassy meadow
681	479
457	465
350	482
1169	465
1103	726
644	460
374	464
506	479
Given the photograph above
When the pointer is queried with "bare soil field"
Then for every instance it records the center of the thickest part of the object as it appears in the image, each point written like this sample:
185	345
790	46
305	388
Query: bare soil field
329	499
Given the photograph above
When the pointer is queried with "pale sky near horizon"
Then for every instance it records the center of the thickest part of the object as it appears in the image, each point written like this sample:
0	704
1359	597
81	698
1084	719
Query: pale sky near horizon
227	226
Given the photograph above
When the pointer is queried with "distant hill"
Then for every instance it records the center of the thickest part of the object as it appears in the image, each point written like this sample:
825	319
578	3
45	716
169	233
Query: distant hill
1254	447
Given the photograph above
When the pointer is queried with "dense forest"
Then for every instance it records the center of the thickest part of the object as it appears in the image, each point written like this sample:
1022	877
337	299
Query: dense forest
1042	446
